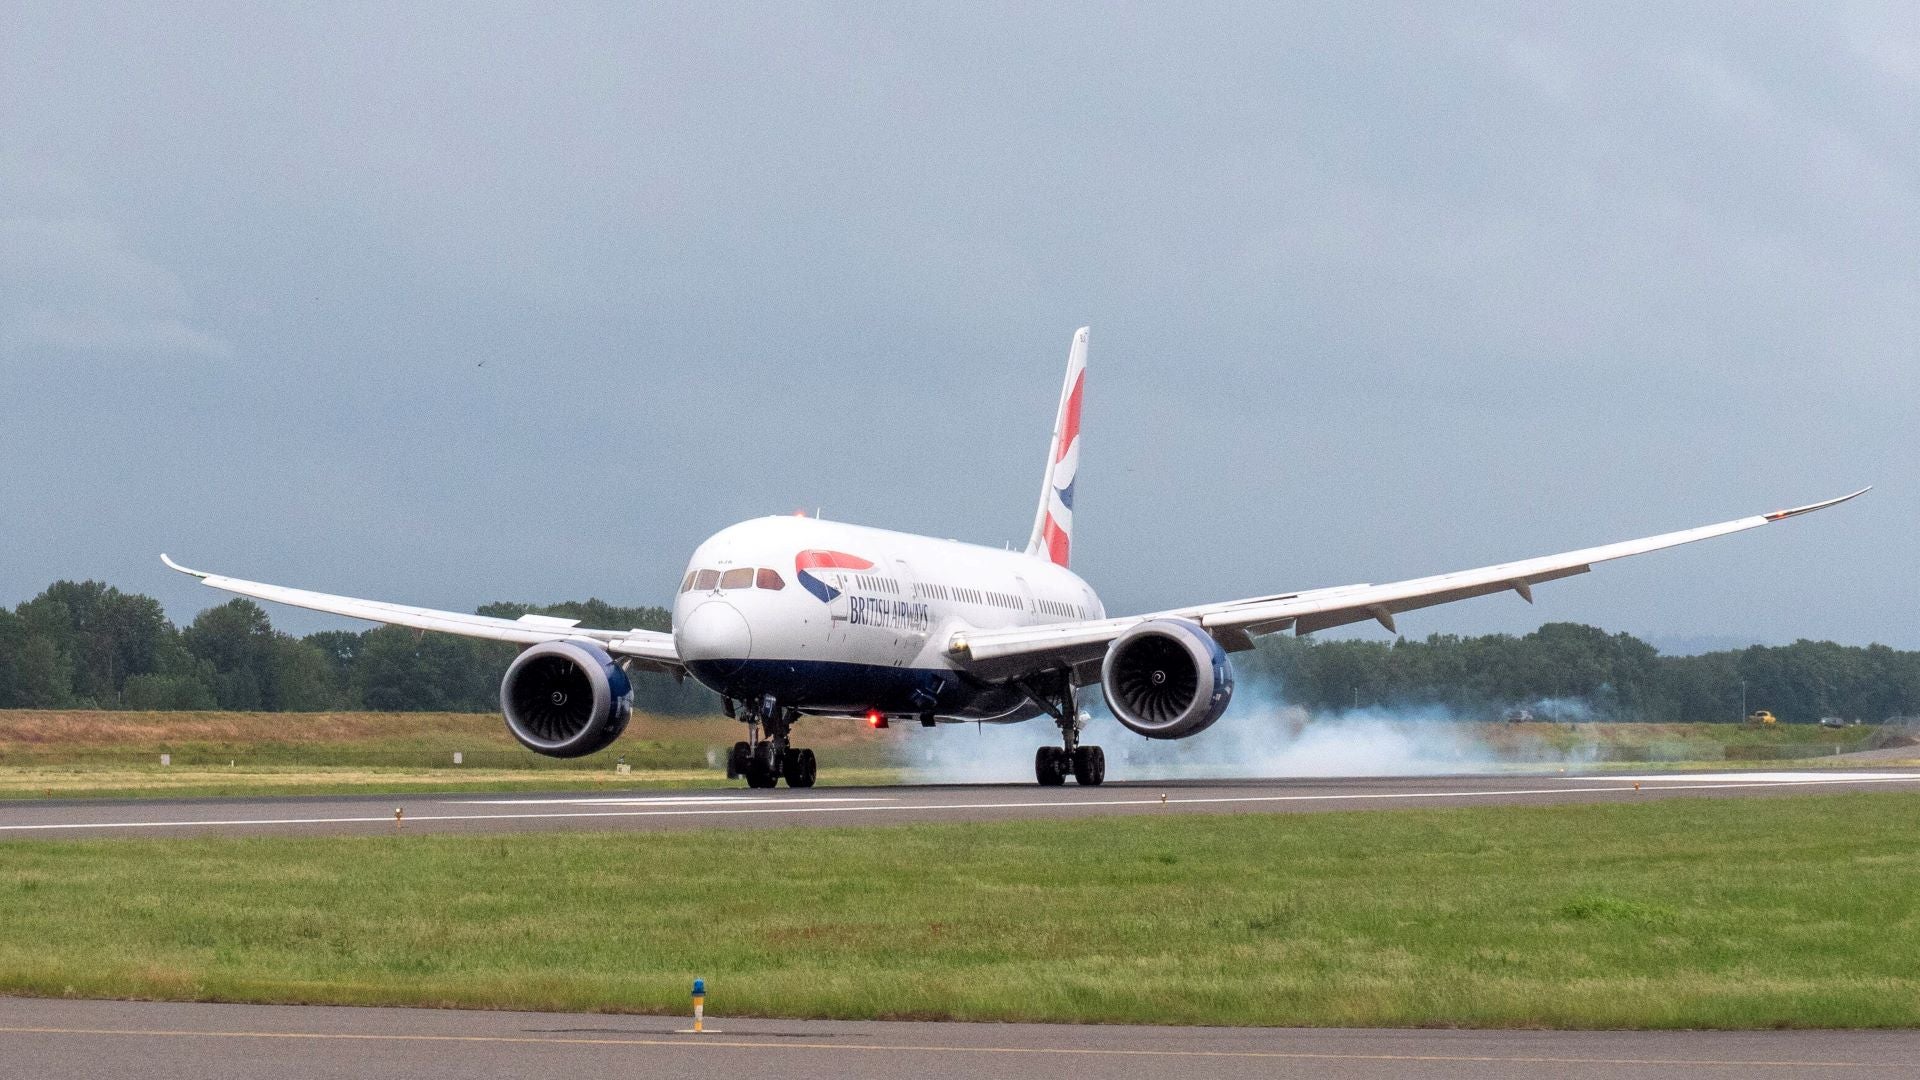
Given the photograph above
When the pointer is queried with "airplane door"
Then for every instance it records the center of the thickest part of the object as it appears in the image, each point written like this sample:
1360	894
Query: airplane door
840	608
1026	597
912	621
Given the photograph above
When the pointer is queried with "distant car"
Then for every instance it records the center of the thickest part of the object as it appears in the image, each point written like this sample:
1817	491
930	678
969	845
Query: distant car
1832	721
1761	718
1519	716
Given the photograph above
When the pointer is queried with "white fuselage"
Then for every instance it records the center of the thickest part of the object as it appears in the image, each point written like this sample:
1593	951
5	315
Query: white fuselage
827	617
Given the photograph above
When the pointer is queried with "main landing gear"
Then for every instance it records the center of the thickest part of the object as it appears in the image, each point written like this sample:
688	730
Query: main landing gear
1053	764
767	754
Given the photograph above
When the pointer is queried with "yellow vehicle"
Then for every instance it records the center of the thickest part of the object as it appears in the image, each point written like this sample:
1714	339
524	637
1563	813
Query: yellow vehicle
1761	718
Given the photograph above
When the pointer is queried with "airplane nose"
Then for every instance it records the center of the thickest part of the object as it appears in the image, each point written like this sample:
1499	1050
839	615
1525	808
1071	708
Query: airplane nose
714	633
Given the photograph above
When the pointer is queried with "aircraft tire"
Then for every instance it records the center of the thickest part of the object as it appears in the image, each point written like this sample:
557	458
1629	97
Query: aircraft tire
1089	766
1050	766
762	768
800	768
737	760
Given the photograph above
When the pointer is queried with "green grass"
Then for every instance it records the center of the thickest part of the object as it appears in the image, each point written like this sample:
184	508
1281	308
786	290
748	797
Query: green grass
107	754
219	780
1783	912
1671	743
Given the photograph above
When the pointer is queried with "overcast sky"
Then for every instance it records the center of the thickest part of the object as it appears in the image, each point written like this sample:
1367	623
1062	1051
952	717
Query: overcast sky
444	305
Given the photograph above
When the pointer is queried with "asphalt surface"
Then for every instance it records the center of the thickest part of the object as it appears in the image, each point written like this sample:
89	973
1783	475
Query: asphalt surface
50	1039
783	808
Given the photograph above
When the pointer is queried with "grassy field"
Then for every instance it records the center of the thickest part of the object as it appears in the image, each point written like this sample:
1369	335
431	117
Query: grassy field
1609	743
97	753
75	753
1785	912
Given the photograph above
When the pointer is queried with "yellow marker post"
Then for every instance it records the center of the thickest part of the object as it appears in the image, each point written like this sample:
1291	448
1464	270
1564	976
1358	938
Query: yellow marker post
699	1005
397	814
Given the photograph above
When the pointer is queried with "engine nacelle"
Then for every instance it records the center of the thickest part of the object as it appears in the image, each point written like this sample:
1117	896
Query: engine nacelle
566	698
1166	679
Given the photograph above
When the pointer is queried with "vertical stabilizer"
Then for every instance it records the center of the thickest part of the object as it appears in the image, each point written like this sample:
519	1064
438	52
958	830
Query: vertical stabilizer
1053	522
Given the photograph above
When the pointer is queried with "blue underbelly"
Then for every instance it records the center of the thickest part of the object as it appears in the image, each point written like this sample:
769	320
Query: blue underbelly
838	687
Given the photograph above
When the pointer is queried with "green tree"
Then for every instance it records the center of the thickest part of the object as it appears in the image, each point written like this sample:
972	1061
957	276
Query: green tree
43	667
401	670
301	677
189	689
13	638
112	636
340	648
237	639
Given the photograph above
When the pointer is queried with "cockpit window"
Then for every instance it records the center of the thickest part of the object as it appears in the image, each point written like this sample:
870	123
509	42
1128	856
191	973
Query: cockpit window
705	580
687	585
740	577
768	579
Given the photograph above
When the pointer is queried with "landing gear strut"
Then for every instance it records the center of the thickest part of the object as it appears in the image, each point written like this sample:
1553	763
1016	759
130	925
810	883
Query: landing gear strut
767	753
1053	764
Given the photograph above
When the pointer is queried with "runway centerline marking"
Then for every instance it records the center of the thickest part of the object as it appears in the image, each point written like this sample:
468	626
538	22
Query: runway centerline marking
799	806
909	1048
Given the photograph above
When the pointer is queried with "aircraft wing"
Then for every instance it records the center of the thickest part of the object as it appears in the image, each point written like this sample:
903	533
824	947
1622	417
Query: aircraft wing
647	648
1080	645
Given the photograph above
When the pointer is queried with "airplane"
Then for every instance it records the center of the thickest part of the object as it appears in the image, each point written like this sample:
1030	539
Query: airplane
792	616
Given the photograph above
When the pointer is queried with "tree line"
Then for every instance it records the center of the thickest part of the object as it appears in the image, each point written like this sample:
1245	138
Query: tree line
1571	671
89	645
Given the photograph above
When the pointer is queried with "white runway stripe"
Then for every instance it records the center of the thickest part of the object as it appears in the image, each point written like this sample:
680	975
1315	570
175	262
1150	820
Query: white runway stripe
1767	777
807	806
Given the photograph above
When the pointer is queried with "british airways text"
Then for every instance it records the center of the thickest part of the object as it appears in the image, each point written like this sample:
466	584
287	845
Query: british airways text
889	614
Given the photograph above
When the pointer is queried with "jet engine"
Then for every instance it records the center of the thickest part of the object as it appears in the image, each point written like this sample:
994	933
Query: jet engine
1166	679
566	698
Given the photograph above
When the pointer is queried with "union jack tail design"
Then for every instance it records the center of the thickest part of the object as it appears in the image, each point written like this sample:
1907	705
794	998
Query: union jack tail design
1053	523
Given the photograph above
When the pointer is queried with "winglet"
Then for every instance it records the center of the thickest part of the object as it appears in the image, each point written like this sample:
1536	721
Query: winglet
1811	507
190	572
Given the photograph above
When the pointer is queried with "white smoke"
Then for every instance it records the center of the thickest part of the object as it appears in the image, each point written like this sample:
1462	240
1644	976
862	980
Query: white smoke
1258	738
1560	710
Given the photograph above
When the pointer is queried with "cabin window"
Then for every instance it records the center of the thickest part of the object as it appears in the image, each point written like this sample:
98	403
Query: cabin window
705	580
740	577
767	578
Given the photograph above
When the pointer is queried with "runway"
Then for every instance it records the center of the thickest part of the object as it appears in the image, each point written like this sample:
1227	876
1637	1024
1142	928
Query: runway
782	808
51	1039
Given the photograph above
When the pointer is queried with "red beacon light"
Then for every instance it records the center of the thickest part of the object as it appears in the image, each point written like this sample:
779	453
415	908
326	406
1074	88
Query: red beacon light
876	718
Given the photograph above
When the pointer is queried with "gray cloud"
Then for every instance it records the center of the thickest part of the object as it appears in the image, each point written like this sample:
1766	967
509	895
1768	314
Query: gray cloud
71	285
1376	290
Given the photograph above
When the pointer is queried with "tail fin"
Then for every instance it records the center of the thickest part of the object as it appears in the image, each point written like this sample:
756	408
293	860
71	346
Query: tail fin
1053	522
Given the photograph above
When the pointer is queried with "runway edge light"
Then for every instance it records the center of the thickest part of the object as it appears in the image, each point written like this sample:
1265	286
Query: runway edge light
699	1004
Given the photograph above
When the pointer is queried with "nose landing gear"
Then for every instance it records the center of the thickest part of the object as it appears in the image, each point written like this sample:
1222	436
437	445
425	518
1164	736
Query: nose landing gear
767	754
